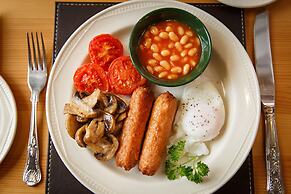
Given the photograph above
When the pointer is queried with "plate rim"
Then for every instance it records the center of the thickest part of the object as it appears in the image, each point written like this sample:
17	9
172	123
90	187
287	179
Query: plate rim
98	15
12	131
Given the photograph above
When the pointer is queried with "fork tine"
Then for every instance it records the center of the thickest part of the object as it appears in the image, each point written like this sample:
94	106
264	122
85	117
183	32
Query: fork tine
33	51
44	66
29	52
39	61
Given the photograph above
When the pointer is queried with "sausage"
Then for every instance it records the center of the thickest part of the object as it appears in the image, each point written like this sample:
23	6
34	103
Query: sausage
134	128
158	132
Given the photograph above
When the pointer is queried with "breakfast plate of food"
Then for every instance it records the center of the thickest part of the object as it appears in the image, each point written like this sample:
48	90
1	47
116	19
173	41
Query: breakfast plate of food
157	96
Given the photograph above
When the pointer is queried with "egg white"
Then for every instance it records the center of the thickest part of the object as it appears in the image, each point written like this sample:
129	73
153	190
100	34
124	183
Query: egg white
200	116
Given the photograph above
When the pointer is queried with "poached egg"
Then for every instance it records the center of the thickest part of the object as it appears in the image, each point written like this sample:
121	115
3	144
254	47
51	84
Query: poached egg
200	116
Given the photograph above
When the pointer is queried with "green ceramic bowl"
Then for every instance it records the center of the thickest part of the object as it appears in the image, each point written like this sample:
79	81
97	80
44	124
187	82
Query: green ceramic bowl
179	15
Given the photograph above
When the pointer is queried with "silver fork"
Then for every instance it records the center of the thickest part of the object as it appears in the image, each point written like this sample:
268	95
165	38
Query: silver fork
36	79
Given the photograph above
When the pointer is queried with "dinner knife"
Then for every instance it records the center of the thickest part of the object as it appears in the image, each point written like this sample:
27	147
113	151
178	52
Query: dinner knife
264	68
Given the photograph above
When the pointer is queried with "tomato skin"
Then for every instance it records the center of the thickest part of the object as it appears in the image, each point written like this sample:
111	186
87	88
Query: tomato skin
103	49
89	77
123	77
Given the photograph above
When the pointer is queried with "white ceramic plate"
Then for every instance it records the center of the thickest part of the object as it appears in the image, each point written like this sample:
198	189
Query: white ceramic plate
8	118
247	3
230	67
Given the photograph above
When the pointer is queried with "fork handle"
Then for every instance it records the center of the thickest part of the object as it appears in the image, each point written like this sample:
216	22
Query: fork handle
274	174
32	174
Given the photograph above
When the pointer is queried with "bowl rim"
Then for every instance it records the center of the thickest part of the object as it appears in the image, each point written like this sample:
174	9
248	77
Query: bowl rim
180	81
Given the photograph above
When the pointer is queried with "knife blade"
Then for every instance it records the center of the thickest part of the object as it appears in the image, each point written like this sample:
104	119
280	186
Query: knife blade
264	69
264	65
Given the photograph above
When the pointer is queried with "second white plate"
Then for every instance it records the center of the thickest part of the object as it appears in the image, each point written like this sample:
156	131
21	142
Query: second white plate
8	118
247	3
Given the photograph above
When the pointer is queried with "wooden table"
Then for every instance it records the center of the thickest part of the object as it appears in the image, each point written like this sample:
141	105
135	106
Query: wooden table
18	17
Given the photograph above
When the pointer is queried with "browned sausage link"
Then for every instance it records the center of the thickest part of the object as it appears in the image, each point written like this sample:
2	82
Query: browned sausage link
158	132
134	128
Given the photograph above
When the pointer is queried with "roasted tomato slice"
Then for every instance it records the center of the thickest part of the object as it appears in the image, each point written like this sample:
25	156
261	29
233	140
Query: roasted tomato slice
103	49
90	76
123	77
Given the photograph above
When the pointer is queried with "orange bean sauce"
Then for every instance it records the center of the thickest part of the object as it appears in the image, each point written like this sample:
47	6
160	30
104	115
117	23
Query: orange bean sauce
169	49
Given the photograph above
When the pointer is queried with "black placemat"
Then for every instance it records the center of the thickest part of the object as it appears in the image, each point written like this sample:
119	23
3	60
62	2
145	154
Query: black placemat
68	17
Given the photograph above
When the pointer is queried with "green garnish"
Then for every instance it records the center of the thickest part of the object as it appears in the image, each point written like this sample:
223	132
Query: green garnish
176	151
194	171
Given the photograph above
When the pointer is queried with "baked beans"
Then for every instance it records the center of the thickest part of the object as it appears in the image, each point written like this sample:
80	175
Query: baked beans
169	49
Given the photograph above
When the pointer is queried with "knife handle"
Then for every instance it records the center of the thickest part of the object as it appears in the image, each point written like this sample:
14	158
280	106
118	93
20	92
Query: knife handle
274	177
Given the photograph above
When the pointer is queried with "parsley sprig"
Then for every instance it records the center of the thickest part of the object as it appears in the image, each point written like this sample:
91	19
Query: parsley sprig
175	169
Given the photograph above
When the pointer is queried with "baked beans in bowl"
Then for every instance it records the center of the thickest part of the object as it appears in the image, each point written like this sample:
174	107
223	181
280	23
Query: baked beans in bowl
170	47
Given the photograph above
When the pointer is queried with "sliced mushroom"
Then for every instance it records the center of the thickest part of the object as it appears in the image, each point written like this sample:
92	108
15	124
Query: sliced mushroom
103	98
101	114
82	119
94	132
112	104
92	99
80	95
122	106
72	125
95	148
121	117
108	120
79	136
109	148
99	105
79	108
102	101
80	103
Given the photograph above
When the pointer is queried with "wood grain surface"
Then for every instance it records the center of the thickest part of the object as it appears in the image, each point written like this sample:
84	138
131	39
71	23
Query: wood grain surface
18	17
